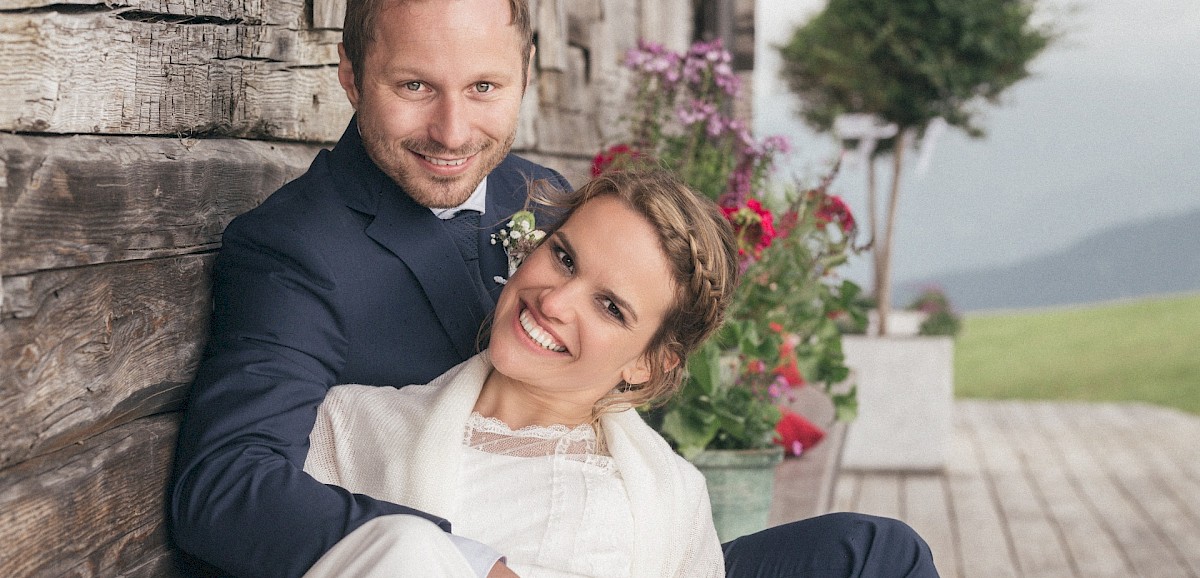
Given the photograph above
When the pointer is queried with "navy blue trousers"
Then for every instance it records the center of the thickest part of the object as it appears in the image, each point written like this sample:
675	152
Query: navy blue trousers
832	545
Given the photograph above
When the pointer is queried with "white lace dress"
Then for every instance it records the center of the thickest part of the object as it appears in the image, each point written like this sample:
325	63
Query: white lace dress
563	506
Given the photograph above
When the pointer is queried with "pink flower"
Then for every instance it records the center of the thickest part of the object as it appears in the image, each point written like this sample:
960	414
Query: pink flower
754	226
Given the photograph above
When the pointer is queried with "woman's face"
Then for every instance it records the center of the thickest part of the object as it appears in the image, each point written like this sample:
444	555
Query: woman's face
577	316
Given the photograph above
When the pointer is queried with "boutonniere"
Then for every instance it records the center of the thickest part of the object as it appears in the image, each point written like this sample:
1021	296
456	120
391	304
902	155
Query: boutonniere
519	238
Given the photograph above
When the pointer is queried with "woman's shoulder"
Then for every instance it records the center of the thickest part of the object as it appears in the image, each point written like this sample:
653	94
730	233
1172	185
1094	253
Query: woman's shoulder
656	450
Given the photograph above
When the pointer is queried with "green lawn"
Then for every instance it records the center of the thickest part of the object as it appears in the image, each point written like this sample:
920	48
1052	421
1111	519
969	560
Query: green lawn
1146	350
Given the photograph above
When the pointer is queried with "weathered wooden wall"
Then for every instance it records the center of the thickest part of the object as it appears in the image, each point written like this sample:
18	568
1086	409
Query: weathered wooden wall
131	132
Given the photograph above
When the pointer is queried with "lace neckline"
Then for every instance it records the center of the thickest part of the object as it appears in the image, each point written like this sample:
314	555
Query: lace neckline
493	436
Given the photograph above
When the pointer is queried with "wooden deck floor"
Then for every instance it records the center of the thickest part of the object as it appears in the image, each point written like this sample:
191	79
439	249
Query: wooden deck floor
1059	490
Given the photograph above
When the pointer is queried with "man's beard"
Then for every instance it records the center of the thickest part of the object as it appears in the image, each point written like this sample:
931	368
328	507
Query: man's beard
431	190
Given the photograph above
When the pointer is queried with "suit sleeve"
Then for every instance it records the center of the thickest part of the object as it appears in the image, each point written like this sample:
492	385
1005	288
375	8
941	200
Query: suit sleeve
239	497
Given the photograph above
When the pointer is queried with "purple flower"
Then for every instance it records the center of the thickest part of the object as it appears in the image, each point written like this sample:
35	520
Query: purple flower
696	111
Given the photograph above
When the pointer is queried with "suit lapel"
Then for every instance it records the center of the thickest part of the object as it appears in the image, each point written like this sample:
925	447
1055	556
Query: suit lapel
418	238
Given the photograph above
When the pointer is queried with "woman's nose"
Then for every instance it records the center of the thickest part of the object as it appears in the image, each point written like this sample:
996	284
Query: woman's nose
560	302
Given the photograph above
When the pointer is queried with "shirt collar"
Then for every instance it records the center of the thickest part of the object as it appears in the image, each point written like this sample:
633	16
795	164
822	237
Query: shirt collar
476	202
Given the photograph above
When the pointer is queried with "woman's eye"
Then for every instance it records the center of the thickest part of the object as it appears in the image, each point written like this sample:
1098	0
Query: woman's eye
612	309
564	259
484	87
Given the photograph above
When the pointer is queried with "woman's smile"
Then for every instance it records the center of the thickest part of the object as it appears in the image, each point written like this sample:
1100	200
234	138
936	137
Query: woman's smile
538	334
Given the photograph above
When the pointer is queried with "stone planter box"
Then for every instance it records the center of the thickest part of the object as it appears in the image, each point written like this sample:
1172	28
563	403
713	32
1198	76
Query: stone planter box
901	323
905	398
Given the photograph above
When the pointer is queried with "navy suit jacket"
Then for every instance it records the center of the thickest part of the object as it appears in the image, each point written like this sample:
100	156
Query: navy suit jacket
338	277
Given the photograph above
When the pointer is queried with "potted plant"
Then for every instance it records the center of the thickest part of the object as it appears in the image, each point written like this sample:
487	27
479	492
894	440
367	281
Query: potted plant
781	330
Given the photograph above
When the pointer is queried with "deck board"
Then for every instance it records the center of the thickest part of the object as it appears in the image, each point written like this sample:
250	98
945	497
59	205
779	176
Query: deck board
1051	489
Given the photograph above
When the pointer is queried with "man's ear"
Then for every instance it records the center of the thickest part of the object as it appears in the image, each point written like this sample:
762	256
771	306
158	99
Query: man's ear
529	68
346	76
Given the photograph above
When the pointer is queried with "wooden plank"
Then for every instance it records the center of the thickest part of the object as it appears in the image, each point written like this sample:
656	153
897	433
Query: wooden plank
1153	489
1039	549
985	550
804	485
289	13
1174	432
1092	550
82	200
1155	427
1132	529
926	509
133	73
86	349
845	494
328	14
879	495
91	509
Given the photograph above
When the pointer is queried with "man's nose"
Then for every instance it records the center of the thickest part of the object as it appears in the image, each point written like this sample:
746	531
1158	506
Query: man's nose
451	126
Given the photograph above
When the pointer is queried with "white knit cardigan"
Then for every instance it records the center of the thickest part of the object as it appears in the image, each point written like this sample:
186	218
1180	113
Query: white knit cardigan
404	446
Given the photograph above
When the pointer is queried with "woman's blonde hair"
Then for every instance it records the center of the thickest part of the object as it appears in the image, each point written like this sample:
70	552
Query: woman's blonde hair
701	251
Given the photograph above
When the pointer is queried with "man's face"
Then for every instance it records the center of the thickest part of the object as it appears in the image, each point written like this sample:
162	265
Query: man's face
439	94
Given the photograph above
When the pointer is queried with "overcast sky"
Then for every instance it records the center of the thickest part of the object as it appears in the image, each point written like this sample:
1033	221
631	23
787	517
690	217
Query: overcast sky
1106	131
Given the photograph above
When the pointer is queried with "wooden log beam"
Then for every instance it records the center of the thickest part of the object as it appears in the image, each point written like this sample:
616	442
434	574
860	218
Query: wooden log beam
286	13
133	72
91	509
83	200
90	348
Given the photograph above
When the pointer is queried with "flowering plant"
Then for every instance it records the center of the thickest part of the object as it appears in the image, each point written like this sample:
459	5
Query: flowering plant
519	238
780	331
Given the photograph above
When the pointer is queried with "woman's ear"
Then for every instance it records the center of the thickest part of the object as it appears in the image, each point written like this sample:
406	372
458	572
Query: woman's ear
640	373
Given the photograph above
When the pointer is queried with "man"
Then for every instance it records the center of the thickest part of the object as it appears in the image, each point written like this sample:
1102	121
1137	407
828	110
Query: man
349	275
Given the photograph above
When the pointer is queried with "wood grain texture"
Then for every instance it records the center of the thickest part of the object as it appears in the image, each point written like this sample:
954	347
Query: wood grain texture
83	200
286	13
1062	489
92	509
150	74
87	349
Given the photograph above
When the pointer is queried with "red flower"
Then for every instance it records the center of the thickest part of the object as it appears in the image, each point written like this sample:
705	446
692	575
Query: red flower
616	156
835	210
796	434
789	221
789	368
754	227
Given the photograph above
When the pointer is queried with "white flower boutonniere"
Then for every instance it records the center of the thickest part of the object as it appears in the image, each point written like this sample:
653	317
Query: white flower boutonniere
519	238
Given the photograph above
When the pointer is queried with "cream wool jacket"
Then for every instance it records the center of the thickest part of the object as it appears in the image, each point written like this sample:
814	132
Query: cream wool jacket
403	445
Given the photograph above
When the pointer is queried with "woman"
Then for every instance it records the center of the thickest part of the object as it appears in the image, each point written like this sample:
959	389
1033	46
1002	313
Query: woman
532	446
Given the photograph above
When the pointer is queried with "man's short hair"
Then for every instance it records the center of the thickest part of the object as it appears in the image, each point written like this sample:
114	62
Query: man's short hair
358	31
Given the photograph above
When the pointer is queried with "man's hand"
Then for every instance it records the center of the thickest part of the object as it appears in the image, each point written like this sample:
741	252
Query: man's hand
500	570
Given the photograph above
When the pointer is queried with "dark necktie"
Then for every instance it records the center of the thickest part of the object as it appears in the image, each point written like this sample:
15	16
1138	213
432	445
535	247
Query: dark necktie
464	227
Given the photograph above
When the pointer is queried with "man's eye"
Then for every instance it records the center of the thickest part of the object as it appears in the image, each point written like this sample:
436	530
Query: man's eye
413	85
484	87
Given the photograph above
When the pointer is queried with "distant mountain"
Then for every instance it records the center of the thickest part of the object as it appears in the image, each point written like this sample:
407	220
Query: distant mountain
1150	257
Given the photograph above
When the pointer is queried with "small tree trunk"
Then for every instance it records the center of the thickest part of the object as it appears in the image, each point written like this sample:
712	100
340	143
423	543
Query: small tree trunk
883	252
873	222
